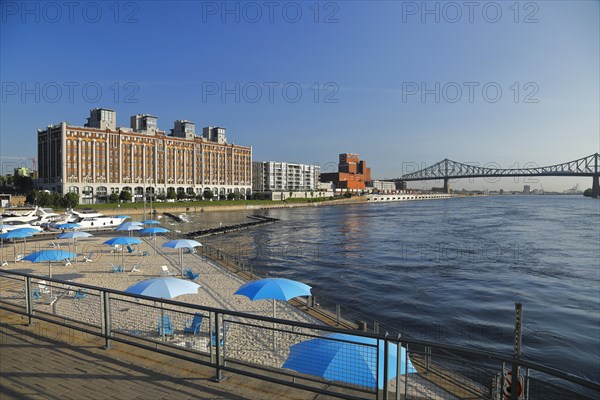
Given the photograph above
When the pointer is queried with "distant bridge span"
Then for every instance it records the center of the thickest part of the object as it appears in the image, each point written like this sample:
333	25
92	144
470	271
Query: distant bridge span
448	169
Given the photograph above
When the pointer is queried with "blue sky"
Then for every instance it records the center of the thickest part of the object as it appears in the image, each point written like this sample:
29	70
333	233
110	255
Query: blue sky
400	83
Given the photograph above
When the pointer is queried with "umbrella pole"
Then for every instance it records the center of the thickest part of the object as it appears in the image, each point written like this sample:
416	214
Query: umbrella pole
15	249
50	276
181	260
123	258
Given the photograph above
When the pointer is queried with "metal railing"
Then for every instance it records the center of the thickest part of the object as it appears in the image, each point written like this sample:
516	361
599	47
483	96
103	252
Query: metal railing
263	347
325	308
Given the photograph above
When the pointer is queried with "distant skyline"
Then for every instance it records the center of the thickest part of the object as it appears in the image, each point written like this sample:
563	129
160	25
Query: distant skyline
400	83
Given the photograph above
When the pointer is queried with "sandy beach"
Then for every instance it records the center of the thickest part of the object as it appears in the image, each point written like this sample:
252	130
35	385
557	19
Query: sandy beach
252	344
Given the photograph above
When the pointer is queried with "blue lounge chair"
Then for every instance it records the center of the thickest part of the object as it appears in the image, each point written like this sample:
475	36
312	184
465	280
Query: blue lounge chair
36	294
213	336
145	253
116	268
130	249
164	326
194	325
191	275
80	294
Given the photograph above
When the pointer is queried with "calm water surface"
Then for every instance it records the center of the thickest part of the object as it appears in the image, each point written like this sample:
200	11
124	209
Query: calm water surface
448	270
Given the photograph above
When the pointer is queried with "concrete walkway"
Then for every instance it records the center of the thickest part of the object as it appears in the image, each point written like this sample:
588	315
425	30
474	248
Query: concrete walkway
47	361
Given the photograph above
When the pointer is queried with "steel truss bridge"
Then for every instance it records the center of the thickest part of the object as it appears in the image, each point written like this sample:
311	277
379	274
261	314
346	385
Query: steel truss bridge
448	169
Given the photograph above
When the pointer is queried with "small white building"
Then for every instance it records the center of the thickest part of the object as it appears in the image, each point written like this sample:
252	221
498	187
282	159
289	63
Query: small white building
381	186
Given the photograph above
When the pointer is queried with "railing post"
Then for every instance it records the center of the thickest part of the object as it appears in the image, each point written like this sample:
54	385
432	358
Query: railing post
514	383
406	374
105	310
338	311
219	374
385	366
398	366
28	300
427	358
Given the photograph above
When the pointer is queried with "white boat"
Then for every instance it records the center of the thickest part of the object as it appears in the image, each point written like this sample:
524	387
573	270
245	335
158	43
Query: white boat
88	220
12	225
23	215
45	217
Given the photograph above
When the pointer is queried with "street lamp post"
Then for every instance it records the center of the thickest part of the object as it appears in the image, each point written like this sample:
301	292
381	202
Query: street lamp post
150	180
143	194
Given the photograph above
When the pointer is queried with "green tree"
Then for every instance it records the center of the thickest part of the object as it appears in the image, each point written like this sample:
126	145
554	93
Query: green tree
161	197
587	192
208	195
23	184
125	196
31	196
171	194
181	195
113	198
71	200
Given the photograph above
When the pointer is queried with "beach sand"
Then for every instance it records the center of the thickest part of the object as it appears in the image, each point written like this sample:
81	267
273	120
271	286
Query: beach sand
246	340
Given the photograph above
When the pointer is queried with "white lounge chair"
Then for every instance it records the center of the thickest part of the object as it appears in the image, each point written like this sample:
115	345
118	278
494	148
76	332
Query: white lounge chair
67	262
88	258
19	257
43	286
4	262
136	268
165	270
55	245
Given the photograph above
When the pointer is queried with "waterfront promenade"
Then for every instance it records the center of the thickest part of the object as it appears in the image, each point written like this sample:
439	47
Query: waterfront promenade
48	361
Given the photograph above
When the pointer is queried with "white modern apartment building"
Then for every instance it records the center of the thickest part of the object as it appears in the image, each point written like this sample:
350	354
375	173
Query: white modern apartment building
273	176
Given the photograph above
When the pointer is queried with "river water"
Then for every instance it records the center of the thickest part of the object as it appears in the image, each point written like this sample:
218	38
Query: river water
448	270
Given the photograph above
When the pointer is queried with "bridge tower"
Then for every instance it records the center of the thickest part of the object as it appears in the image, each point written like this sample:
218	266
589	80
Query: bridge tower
446	179
596	178
446	185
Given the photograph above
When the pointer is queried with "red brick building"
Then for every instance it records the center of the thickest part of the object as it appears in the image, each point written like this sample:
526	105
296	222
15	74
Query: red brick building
352	173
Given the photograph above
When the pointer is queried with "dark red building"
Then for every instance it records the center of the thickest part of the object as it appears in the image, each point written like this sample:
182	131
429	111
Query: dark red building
352	173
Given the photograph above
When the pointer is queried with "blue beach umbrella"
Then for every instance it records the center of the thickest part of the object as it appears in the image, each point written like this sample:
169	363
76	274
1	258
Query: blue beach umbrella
74	235
153	230
347	358
164	287
122	241
151	222
49	255
181	244
274	288
20	233
129	226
